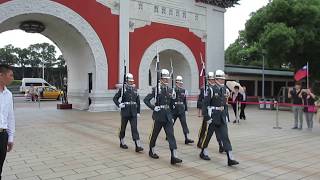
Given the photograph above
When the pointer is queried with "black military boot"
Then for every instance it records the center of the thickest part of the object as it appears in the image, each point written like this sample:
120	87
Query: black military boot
221	150
138	146
152	154
187	140
204	156
123	145
231	161
174	159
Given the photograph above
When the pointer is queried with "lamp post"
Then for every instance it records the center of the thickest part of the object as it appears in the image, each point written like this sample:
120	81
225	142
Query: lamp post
263	76
42	69
263	54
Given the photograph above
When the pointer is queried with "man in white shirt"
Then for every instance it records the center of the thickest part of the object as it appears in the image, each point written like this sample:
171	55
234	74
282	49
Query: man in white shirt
7	121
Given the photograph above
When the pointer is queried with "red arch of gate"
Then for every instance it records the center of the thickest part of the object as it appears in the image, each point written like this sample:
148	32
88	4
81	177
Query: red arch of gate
105	24
143	37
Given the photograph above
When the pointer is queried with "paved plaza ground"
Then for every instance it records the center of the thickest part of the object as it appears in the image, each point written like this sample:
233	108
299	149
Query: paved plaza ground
69	144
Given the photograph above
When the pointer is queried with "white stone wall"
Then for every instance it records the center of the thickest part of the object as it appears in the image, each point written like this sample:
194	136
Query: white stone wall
183	61
75	37
85	54
182	13
205	21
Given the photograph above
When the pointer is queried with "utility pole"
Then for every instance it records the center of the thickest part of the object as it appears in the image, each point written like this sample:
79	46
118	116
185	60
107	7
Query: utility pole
263	77
42	69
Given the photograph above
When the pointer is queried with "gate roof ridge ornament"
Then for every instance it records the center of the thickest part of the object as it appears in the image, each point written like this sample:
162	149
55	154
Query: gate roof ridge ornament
220	3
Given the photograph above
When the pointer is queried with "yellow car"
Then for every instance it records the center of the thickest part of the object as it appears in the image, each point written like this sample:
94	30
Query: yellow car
49	93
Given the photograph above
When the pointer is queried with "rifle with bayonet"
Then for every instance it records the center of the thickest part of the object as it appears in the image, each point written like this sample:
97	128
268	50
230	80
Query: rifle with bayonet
158	79
204	75
172	81
124	78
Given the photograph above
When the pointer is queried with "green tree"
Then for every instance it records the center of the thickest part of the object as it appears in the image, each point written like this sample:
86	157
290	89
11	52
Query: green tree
61	63
287	30
43	54
7	55
23	59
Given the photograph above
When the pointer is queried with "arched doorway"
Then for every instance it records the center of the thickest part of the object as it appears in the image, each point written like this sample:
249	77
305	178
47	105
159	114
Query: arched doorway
179	64
79	44
183	61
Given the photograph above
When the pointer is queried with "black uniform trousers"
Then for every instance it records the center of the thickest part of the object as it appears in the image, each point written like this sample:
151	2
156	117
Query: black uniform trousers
222	131
133	124
3	149
202	133
168	128
183	121
242	114
234	106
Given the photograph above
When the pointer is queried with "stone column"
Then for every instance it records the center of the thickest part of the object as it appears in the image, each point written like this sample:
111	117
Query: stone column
215	38
123	37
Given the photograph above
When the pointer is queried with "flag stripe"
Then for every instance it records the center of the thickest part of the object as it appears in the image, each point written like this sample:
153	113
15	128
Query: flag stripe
301	73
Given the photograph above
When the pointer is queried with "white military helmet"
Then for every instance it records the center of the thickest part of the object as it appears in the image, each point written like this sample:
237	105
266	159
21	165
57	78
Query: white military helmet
220	74
179	79
210	75
165	74
129	77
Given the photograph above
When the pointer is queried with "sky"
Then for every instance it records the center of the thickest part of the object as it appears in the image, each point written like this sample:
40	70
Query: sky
235	19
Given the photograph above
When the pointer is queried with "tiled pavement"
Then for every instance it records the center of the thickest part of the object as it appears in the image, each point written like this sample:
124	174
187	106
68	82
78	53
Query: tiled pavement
69	144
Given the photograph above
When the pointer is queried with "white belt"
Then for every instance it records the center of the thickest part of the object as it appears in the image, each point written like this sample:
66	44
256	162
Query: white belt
210	108
129	103
164	106
220	108
178	103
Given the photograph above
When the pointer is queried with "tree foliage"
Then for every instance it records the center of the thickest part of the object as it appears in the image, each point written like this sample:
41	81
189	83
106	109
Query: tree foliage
7	55
287	32
29	61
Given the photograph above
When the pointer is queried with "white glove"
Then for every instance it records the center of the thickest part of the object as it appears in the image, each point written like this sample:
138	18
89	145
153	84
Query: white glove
209	111
157	108
186	112
122	105
174	96
209	122
138	115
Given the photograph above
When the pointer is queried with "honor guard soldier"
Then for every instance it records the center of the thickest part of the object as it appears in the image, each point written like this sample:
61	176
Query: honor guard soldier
215	101
162	116
203	128
179	108
130	110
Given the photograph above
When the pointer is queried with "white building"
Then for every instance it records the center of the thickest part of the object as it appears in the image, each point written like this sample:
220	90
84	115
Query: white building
95	36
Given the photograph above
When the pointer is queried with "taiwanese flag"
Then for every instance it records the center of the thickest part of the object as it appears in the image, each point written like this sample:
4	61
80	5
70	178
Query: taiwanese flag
302	73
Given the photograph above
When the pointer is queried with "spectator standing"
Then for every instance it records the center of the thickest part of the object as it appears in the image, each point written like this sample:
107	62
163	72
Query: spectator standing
7	121
297	109
310	108
236	97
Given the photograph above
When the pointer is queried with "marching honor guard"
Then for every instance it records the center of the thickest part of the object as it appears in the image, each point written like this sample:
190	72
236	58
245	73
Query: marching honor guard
215	101
179	108
130	110
204	126
162	115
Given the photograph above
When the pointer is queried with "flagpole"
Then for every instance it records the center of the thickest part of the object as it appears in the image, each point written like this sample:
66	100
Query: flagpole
307	75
